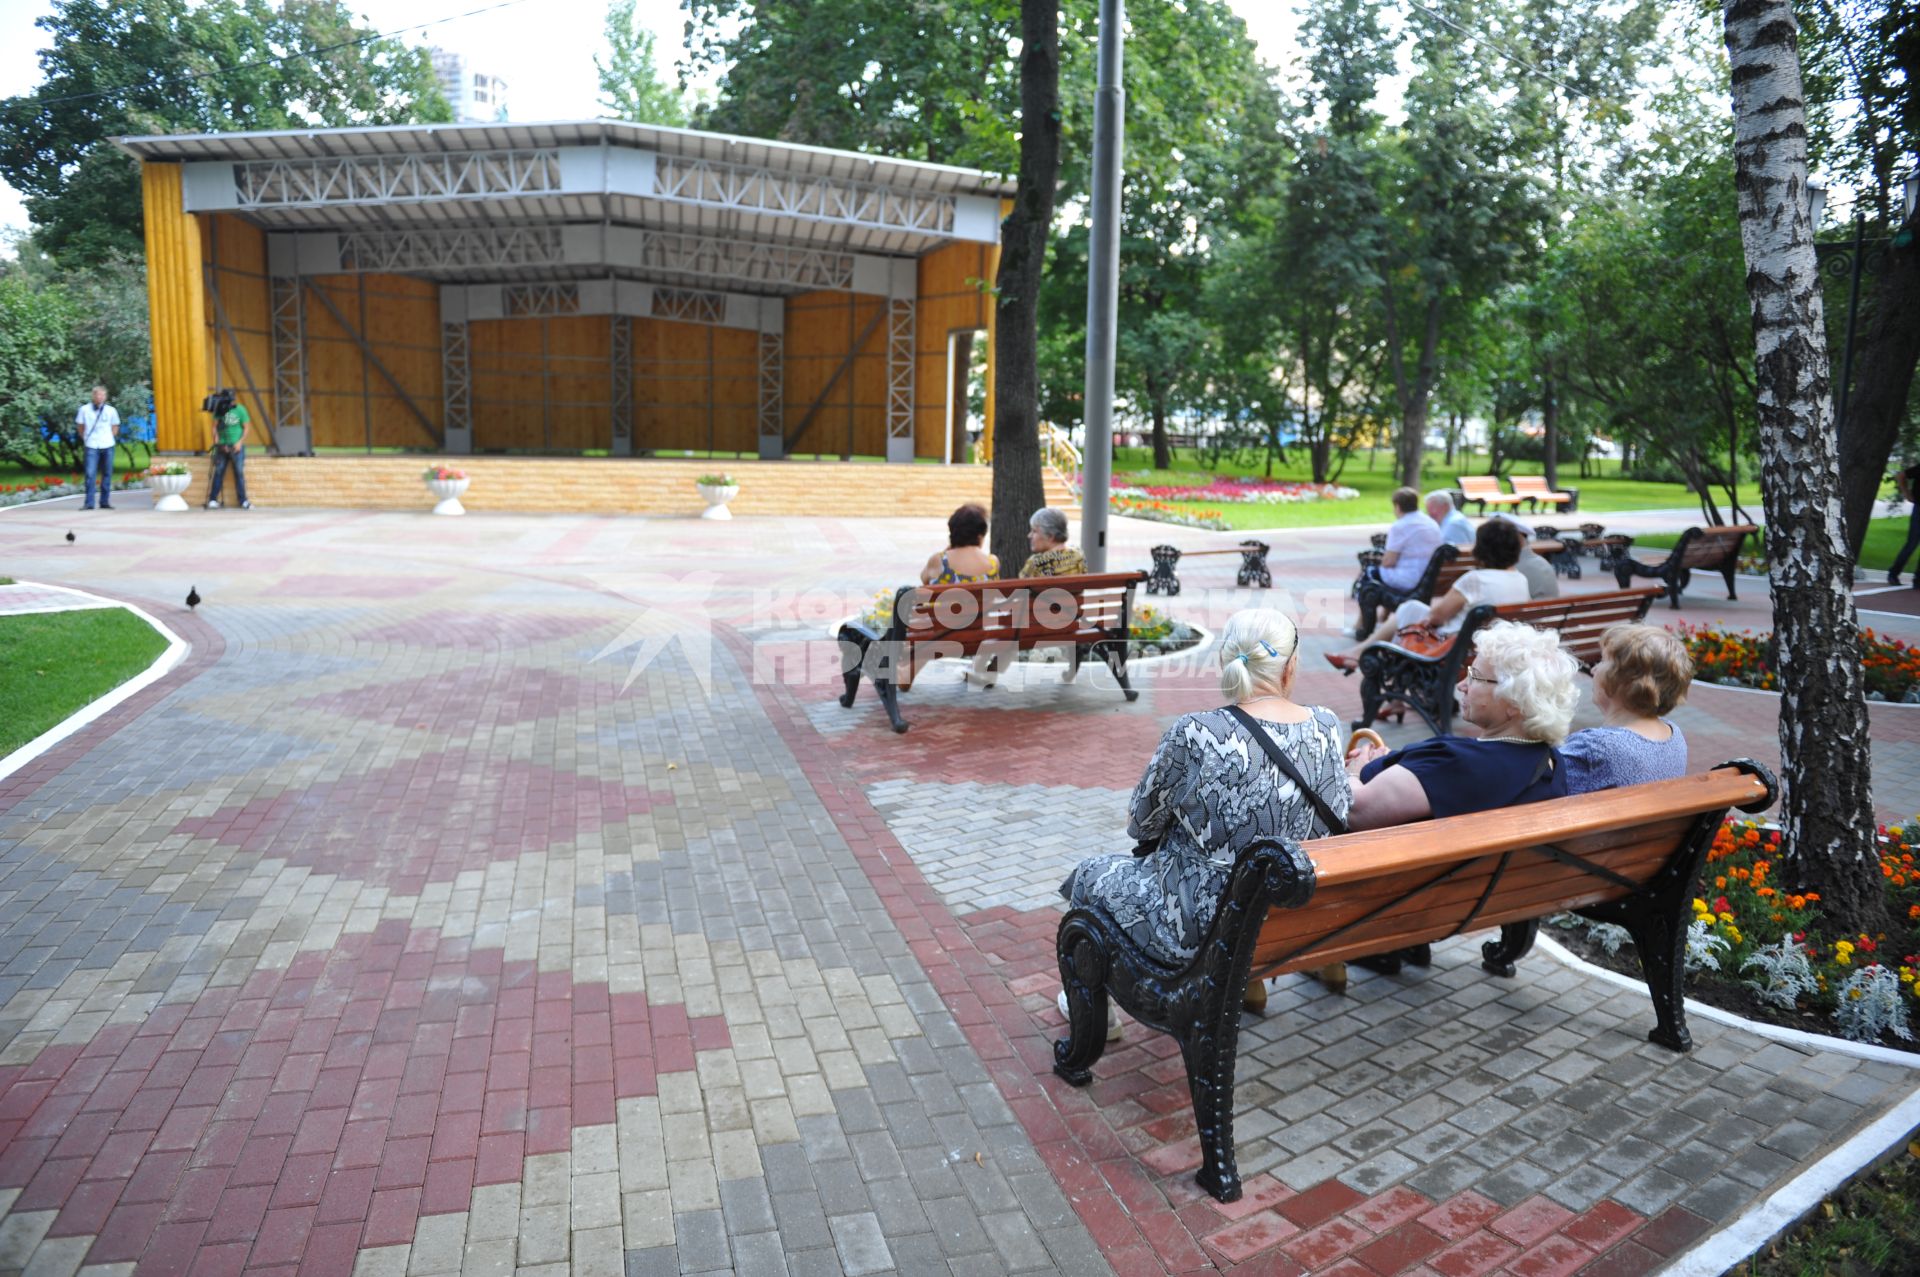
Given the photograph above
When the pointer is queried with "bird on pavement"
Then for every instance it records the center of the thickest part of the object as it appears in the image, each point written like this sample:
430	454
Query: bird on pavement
193	597
69	537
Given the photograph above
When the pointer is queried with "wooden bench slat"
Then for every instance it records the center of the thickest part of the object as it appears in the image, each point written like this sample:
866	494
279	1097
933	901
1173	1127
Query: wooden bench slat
1400	901
1369	853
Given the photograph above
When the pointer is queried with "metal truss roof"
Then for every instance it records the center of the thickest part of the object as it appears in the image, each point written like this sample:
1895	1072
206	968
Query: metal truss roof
494	201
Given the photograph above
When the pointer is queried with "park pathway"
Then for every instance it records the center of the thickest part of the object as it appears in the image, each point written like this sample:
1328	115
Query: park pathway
511	895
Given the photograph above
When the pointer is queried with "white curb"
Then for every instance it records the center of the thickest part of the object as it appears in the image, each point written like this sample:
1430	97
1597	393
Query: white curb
1788	1204
177	649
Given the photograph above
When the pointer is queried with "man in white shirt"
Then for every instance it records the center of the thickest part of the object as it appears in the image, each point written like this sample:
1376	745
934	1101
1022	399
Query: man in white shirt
1454	528
99	432
1411	542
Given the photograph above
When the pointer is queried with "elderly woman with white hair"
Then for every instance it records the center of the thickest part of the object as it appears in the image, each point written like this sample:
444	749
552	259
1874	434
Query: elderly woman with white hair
1047	538
1212	790
1519	690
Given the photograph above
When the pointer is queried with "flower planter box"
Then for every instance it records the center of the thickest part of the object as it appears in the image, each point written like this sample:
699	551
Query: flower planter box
716	497
168	489
447	492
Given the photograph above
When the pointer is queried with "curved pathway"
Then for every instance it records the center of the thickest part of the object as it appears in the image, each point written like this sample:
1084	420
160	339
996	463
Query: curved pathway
510	894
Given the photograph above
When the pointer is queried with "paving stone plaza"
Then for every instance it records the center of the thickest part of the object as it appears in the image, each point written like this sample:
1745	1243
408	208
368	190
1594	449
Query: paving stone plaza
512	895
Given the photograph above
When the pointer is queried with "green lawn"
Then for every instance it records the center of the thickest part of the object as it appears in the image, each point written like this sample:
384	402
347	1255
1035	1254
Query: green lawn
1884	539
1870	1226
59	662
1604	492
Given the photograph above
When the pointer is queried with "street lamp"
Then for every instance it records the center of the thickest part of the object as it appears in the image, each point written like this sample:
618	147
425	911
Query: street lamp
1849	261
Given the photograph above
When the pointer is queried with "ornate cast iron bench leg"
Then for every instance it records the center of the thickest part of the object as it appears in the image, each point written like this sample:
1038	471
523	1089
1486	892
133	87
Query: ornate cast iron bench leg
1253	565
1516	938
1162	579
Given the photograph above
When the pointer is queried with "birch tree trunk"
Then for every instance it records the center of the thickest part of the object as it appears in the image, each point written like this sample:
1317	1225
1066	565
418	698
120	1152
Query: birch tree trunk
1825	754
1017	486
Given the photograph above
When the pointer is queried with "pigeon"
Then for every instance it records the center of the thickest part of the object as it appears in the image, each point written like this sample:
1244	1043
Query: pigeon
69	537
193	597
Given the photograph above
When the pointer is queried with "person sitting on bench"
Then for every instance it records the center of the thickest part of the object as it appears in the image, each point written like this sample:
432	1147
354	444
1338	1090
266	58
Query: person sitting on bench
963	560
1643	673
1212	789
1047	538
1519	690
1426	629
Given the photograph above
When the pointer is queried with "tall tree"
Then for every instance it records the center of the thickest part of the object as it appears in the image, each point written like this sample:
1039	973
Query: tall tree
630	84
1825	750
1462	209
155	66
1017	487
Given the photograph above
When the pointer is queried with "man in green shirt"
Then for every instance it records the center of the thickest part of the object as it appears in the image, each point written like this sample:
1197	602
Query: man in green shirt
230	449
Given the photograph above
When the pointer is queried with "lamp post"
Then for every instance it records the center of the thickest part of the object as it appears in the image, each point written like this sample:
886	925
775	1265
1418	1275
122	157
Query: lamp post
1851	260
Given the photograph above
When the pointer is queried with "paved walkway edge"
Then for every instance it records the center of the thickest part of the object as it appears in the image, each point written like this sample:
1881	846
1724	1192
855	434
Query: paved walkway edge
177	649
1749	1232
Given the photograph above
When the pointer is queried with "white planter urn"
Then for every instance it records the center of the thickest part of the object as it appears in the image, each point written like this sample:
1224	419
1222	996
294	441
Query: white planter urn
448	491
716	497
169	487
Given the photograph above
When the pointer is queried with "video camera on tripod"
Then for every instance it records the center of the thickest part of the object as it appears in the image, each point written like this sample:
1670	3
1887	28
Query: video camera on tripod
218	403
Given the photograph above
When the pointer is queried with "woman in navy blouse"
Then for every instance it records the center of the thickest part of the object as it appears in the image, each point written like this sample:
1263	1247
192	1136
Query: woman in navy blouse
1519	690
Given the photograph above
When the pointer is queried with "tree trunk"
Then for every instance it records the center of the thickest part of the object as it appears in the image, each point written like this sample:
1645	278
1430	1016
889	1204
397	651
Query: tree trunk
1417	397
1157	409
1017	487
1453	436
1884	357
1825	755
1550	430
957	391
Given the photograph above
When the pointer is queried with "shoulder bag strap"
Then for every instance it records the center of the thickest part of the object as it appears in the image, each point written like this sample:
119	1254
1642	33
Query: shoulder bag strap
1333	823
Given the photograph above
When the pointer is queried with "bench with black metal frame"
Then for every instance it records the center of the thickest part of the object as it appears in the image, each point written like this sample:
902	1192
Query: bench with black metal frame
1089	615
1715	549
1625	856
1253	566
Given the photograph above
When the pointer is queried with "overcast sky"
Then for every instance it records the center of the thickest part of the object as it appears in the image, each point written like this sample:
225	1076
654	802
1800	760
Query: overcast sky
544	48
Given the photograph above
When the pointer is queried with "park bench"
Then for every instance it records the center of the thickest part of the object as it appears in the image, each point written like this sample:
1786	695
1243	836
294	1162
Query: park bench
1485	489
1565	564
1716	549
1625	856
1253	566
1088	614
1534	488
1389	672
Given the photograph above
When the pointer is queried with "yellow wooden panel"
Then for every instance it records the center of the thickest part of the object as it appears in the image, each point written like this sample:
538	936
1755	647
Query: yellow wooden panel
176	303
578	336
333	367
508	425
337	420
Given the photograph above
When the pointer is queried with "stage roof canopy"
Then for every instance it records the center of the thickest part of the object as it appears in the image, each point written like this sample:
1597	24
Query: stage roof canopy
594	199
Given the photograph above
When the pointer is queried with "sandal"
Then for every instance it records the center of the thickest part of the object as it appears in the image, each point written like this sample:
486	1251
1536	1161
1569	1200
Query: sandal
1342	662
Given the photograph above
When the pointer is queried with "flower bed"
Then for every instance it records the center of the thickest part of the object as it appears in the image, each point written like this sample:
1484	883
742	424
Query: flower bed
1240	491
1767	949
1161	512
1745	659
48	486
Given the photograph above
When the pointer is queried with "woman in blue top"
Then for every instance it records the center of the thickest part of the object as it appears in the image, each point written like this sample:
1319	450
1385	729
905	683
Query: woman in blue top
1519	691
1643	674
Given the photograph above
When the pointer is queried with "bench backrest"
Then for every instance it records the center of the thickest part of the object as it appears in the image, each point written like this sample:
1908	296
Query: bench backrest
1711	547
1580	619
1384	889
1532	485
1476	486
956	620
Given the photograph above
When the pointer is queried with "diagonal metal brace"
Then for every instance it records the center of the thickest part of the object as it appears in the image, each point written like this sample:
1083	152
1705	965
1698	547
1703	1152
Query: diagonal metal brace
366	353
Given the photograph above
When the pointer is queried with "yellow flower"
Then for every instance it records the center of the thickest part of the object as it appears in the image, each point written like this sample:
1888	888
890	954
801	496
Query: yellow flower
1856	993
1726	917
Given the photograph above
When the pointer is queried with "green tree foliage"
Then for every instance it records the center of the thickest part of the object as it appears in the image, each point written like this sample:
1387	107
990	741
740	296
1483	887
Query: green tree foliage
36	349
916	79
152	66
630	84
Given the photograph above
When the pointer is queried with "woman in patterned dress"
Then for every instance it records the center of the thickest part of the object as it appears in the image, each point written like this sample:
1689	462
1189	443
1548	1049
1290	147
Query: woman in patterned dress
1211	791
963	560
1047	538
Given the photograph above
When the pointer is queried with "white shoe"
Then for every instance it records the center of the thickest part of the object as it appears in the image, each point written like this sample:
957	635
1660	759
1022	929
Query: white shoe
211	505
246	505
1113	1021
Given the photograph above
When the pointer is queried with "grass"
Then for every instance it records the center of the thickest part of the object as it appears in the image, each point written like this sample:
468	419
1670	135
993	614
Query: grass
1871	1226
60	662
1884	539
1604	492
